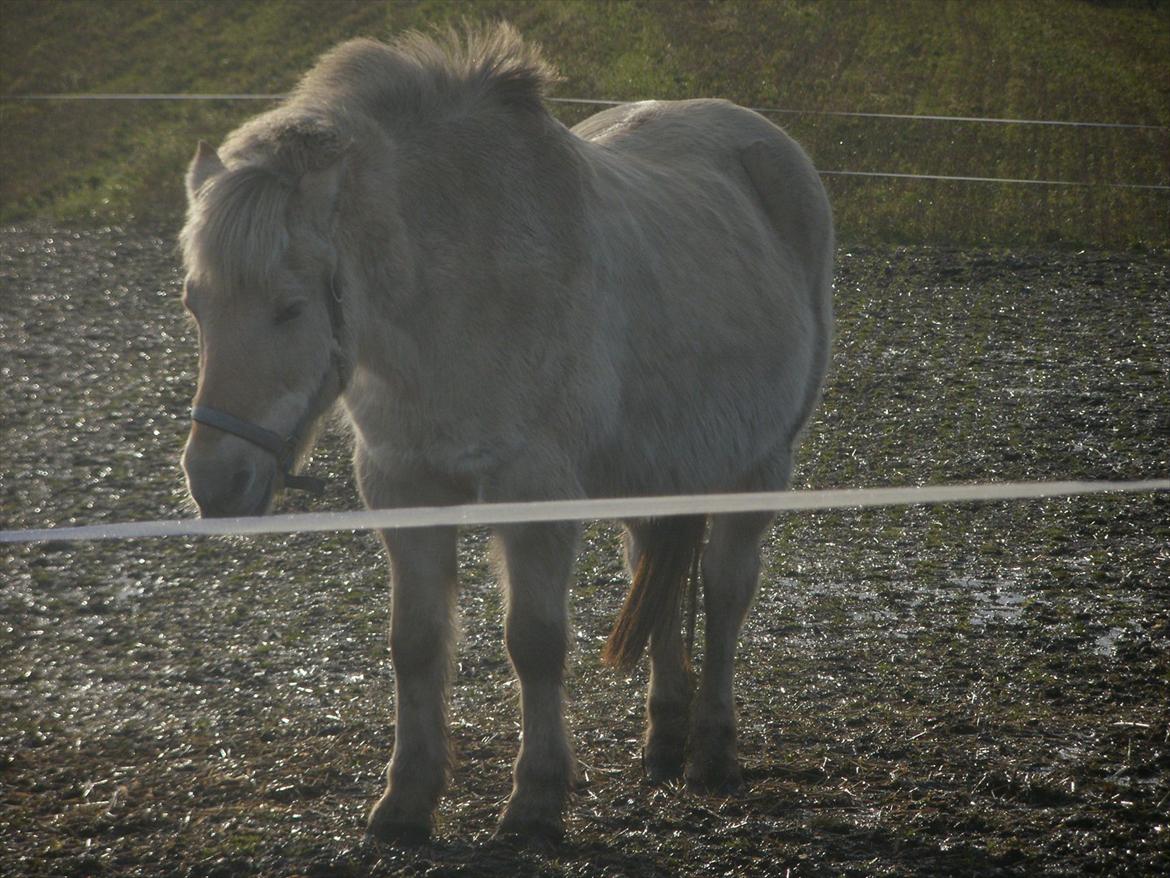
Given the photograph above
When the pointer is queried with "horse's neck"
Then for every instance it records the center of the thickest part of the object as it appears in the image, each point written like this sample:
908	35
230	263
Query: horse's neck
478	194
458	227
499	161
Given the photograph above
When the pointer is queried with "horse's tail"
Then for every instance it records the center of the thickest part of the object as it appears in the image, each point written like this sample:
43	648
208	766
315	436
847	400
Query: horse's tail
669	561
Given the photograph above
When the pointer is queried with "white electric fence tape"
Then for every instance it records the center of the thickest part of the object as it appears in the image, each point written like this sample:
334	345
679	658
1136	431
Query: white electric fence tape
580	510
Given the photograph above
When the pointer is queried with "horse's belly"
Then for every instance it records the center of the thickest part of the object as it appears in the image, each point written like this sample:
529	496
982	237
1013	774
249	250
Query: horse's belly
700	426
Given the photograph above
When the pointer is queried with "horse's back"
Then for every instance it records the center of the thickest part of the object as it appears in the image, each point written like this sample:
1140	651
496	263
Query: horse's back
666	131
714	241
694	138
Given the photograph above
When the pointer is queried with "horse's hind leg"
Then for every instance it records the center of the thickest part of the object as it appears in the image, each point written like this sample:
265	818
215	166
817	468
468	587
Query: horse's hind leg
731	567
538	563
668	700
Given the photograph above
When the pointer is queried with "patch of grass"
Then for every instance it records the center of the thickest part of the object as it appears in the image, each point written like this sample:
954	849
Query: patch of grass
1035	59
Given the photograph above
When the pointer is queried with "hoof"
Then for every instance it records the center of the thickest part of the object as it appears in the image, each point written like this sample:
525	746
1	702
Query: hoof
530	829
715	780
537	837
663	764
387	827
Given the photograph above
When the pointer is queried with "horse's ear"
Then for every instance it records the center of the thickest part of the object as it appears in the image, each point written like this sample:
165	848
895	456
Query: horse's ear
318	191
203	167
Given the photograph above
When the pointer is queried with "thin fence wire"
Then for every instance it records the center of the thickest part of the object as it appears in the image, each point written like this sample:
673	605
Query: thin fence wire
1006	180
1013	181
921	117
600	102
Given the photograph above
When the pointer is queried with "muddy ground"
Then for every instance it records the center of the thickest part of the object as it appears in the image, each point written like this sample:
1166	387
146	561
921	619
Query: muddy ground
969	690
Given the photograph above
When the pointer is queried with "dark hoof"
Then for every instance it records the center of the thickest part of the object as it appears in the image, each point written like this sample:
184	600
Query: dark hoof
662	765
397	831
532	832
723	781
399	834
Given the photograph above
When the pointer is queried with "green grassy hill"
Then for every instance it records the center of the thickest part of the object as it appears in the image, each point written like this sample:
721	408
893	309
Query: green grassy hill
1040	59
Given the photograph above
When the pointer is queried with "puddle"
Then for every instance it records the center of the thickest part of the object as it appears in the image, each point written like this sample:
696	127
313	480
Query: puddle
994	602
1106	643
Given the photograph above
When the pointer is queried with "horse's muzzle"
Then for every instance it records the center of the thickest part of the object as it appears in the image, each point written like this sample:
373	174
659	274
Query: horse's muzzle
228	482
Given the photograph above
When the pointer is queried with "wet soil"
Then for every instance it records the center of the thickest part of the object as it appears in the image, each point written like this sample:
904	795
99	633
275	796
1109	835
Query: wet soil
978	689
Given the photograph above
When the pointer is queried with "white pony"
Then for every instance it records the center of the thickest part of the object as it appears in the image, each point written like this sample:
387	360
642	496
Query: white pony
511	310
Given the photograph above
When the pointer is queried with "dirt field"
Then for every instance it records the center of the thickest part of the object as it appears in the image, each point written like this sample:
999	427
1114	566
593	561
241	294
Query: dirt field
971	690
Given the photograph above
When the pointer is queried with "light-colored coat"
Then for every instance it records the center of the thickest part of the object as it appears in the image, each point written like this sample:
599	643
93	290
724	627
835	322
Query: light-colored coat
638	306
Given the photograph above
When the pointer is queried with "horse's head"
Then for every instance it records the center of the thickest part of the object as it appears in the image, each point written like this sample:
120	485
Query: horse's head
262	285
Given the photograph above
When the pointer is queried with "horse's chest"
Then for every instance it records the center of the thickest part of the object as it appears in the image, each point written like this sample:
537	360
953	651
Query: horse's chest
404	432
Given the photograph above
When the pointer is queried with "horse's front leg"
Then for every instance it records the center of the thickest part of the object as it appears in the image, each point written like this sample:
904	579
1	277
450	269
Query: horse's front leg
423	580
538	563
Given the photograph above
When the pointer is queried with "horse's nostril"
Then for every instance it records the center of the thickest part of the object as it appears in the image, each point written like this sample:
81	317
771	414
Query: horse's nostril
219	492
241	481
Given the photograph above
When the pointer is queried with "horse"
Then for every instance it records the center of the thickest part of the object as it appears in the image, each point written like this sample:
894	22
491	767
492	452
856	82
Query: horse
507	309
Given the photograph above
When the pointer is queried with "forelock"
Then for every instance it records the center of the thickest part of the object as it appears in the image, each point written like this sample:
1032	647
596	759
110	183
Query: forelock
236	231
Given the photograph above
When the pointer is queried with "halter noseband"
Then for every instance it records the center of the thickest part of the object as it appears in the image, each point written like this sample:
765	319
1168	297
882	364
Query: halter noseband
284	449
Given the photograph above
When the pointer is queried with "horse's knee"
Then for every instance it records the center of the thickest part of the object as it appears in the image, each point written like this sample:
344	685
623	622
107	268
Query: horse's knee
419	648
423	585
536	644
420	638
538	562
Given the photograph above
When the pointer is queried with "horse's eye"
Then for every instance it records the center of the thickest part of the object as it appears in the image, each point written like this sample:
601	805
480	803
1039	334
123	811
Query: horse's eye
290	312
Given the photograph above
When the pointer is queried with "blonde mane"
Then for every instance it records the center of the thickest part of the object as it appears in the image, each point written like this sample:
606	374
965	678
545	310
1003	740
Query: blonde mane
236	229
421	74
